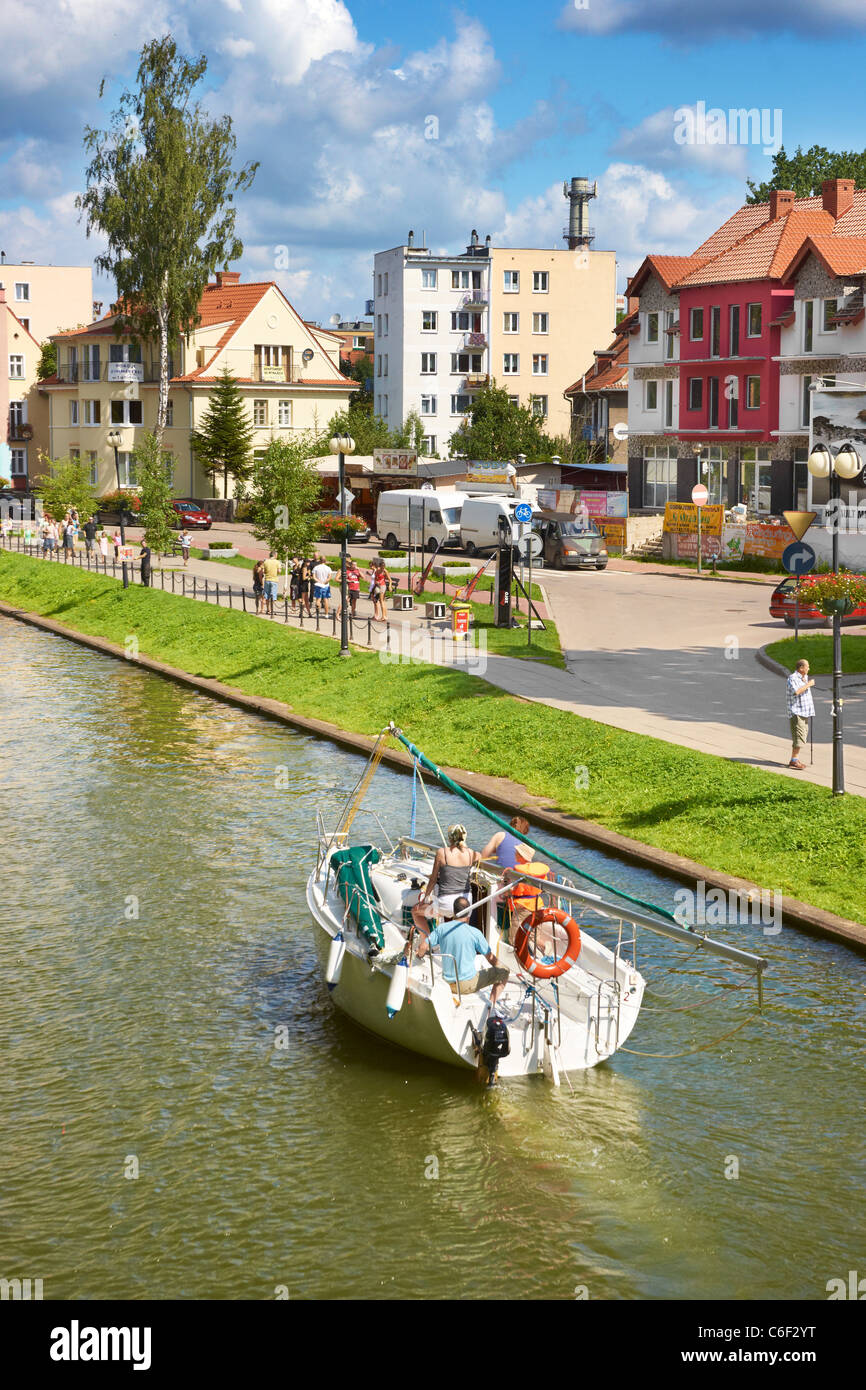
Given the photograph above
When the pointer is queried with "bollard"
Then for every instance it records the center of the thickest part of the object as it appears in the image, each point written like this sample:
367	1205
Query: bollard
230	596
317	618
244	597
193	587
217	593
286	608
172	581
162	578
205	591
334	623
369	632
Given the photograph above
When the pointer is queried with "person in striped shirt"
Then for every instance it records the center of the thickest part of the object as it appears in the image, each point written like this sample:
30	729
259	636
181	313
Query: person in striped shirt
801	707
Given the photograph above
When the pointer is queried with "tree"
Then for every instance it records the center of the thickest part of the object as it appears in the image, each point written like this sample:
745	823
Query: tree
496	429
368	431
160	189
805	171
224	440
284	497
66	485
47	361
411	436
152	476
361	371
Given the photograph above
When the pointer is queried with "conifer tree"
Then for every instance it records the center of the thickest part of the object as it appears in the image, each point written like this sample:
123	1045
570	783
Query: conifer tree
224	439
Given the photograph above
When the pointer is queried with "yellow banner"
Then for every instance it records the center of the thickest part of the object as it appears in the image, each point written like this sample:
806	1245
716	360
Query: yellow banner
681	519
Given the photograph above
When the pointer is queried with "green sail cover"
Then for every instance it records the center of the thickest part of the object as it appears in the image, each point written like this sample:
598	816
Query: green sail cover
352	877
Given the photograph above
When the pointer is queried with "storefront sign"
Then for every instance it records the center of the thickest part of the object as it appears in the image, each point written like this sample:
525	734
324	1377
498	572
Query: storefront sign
767	539
591	501
478	471
613	529
399	461
733	541
126	371
681	518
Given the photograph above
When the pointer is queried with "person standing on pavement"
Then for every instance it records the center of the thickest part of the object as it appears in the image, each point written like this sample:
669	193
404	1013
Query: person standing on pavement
145	564
272	576
185	540
259	584
322	584
90	529
801	706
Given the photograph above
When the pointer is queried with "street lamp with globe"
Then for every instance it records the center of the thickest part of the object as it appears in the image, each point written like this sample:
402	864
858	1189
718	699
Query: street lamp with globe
846	463
114	442
343	444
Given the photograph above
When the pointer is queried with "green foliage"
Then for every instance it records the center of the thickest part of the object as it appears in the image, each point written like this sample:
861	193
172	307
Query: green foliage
368	431
160	190
362	372
223	443
411	436
805	171
66	485
817	649
497	430
156	514
284	497
47	361
826	591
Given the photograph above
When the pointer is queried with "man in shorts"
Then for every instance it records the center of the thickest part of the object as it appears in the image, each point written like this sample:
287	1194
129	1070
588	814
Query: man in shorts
272	575
321	584
460	944
801	707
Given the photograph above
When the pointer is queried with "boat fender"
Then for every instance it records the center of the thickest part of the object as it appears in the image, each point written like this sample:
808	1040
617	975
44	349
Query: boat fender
397	987
335	961
523	951
497	1045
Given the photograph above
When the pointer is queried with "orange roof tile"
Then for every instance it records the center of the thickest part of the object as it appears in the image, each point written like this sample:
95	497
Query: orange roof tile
841	255
763	252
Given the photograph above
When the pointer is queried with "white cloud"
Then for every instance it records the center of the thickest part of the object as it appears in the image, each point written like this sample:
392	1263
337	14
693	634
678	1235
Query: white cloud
236	48
686	19
652	142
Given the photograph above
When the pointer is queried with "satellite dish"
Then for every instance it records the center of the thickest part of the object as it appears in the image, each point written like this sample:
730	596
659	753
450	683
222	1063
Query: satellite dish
307	355
334	320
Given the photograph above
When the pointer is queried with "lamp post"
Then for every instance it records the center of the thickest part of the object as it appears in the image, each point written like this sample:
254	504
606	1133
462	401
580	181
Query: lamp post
114	440
846	464
343	444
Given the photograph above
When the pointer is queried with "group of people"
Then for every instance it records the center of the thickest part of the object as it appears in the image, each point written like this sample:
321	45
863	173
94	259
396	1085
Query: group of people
57	536
309	586
447	897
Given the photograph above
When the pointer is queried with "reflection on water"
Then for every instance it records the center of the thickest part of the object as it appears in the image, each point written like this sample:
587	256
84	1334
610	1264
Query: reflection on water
156	956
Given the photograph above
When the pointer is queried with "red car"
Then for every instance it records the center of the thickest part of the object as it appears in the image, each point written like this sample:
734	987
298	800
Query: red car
191	515
782	605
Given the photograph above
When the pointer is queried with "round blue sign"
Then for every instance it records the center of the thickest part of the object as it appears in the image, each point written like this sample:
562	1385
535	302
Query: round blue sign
523	513
799	558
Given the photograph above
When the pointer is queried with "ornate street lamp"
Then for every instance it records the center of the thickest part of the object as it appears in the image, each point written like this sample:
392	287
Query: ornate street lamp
343	444
114	441
846	464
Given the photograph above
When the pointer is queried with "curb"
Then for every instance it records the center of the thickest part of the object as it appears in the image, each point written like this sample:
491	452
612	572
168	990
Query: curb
775	666
675	573
500	792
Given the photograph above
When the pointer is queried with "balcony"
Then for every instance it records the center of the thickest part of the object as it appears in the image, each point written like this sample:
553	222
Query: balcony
475	340
475	299
19	432
476	379
115	373
276	374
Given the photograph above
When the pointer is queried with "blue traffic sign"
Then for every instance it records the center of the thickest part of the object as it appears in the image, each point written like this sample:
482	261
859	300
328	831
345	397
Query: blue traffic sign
799	558
523	513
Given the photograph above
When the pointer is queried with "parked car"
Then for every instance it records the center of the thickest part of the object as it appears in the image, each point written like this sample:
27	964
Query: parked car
572	543
190	514
783	603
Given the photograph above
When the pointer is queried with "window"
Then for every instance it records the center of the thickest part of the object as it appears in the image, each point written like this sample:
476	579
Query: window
169	414
732	391
385	368
540	323
92	412
755	479
284	414
125	412
540	281
830	308
715	330
358	343
466	279
18	462
464	363
511	363
696	392
379	364
428	405
696	325
651	395
753	319
712	466
753	392
123	352
379	324
90	362
514	400
75	453
652	328
511	323
713	401
386	325
428	364
669	404
429	320
16	366
538	406
94	467
670	345
17	414
378	284
25	323
429	443
539	364
386	282
734	345
22	291
126	466
428	279
461	404
385	404
260	413
511	283
808	324
660	475
73	412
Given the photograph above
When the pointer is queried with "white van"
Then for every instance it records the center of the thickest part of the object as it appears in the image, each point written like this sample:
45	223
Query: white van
441	517
479	522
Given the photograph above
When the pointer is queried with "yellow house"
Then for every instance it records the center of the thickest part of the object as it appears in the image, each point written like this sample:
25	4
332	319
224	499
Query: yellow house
21	404
288	374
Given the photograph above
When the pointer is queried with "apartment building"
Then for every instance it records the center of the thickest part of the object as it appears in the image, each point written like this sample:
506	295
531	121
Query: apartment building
48	298
287	372
447	325
599	402
22	407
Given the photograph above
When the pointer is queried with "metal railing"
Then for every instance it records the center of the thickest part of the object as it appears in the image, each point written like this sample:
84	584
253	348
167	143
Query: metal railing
85	373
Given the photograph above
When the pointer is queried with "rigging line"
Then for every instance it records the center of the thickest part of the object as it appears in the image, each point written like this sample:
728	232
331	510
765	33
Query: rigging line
672	1056
414	798
430	804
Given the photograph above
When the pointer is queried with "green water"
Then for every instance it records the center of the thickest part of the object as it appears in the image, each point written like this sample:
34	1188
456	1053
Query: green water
275	1143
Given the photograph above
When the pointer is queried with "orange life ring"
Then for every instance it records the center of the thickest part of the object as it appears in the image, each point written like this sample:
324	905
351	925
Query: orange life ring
527	959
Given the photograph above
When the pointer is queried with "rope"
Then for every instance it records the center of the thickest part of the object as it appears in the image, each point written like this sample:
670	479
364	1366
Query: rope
414	797
672	1056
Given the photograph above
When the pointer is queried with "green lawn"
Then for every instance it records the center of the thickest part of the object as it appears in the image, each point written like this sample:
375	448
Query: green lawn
817	649
784	835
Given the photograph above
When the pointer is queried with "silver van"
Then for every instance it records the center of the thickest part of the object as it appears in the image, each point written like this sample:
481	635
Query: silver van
571	542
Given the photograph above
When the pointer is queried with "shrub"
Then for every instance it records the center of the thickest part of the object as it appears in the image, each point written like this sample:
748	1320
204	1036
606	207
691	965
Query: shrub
391	554
455	564
221	545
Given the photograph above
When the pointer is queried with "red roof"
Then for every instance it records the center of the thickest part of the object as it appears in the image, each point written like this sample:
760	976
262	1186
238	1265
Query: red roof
764	252
840	255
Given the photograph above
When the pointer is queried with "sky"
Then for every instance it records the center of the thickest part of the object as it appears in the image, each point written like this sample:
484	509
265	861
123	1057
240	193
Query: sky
369	118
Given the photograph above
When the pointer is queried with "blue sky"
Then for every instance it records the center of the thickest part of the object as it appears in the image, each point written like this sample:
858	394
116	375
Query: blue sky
339	102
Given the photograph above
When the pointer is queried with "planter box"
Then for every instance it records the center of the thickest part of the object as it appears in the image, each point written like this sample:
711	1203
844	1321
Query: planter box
396	564
456	572
227	554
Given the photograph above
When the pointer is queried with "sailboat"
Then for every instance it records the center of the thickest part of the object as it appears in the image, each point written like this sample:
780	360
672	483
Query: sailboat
574	992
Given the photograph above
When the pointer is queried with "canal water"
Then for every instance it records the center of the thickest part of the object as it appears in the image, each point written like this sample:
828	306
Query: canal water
186	1116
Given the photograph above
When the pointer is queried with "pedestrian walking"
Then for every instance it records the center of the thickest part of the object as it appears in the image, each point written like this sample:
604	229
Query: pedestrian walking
68	540
322	583
185	541
116	542
145	564
103	547
259	584
801	706
378	590
90	529
295	583
353	584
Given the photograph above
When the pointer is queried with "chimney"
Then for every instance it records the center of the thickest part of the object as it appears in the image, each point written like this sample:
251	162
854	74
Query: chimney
227	277
412	242
781	202
837	196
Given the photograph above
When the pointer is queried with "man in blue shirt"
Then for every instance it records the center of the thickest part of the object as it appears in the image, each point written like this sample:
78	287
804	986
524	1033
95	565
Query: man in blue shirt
460	944
801	706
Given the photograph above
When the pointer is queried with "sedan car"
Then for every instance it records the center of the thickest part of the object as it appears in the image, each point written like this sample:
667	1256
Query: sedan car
190	514
783	604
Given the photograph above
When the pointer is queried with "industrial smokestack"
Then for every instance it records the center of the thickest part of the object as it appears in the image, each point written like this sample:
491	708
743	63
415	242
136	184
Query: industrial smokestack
412	239
578	232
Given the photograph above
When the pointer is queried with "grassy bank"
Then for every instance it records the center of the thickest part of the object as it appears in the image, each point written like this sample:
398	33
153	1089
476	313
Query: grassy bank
817	649
734	818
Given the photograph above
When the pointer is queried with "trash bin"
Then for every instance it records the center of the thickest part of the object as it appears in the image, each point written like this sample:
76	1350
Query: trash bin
460	615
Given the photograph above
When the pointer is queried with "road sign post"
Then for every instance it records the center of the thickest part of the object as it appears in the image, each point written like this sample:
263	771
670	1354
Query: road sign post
700	497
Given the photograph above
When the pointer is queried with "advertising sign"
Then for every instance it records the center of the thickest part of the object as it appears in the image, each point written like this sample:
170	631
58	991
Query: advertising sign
126	371
613	530
396	461
478	471
687	546
590	500
767	539
681	518
733	541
